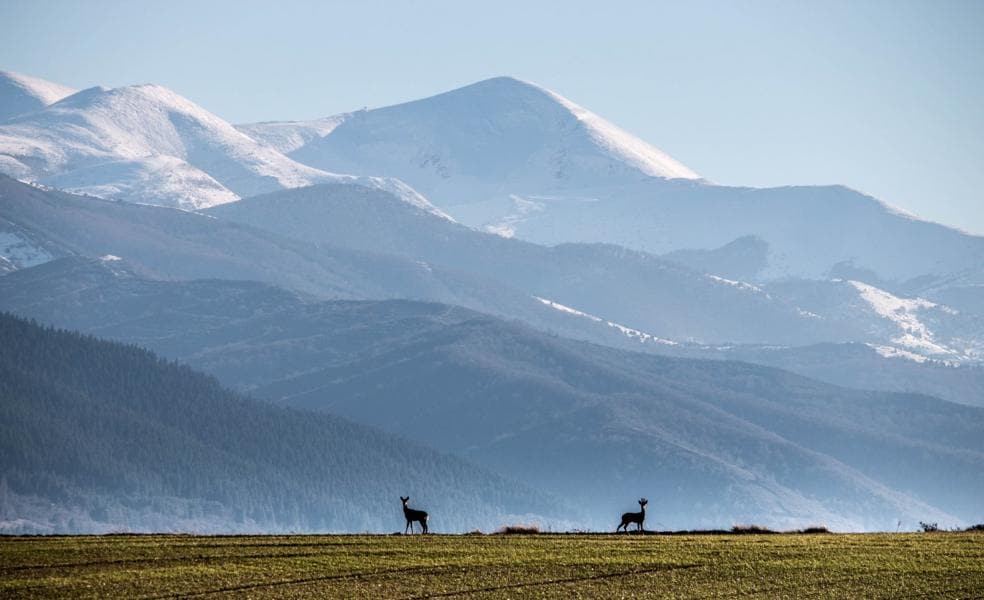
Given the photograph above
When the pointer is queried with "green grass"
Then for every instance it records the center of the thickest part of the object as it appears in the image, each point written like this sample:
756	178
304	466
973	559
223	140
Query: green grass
947	565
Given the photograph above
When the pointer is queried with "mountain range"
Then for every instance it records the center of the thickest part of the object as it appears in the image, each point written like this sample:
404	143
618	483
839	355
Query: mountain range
739	441
498	273
502	155
309	240
514	158
665	297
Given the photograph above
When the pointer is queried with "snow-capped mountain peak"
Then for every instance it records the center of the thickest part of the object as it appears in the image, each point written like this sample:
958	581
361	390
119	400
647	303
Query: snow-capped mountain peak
497	137
147	120
146	143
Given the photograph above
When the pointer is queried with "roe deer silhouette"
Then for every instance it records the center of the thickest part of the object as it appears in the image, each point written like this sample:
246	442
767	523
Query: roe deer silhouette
413	515
634	517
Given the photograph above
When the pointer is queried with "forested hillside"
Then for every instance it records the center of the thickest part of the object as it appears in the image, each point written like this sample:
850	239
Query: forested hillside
99	436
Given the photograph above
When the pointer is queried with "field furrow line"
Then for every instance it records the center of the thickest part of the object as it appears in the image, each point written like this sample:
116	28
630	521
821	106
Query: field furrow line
546	582
301	581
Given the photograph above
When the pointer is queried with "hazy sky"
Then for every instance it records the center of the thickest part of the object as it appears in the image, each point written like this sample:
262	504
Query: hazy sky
886	97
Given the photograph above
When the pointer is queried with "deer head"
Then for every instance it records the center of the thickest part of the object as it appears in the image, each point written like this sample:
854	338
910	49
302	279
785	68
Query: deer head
643	502
405	500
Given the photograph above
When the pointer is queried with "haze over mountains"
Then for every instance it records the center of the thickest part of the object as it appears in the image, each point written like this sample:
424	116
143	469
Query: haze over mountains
598	420
393	266
311	240
663	297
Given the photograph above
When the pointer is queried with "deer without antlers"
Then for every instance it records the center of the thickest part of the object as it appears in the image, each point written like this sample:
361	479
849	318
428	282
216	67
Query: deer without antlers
413	515
634	517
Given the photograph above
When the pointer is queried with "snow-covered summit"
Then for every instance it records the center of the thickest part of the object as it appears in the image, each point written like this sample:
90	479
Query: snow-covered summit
513	158
149	144
140	124
498	136
22	94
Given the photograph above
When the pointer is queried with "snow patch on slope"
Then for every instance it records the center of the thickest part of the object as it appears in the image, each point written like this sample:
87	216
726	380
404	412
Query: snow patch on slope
523	209
741	285
628	332
903	313
21	252
893	352
808	314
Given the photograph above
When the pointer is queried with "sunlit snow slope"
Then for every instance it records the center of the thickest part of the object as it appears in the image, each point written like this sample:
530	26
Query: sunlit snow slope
148	144
498	135
21	94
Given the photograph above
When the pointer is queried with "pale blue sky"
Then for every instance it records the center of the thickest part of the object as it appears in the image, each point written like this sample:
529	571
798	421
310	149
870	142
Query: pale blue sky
884	96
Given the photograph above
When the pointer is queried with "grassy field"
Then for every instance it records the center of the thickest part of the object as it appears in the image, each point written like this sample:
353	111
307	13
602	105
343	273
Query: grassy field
947	565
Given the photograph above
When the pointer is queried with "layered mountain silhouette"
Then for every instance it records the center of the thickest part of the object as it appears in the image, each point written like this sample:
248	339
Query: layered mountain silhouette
313	240
685	296
581	421
648	303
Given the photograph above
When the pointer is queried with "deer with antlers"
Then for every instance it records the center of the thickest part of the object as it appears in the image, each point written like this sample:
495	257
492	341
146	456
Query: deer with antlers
413	515
634	517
